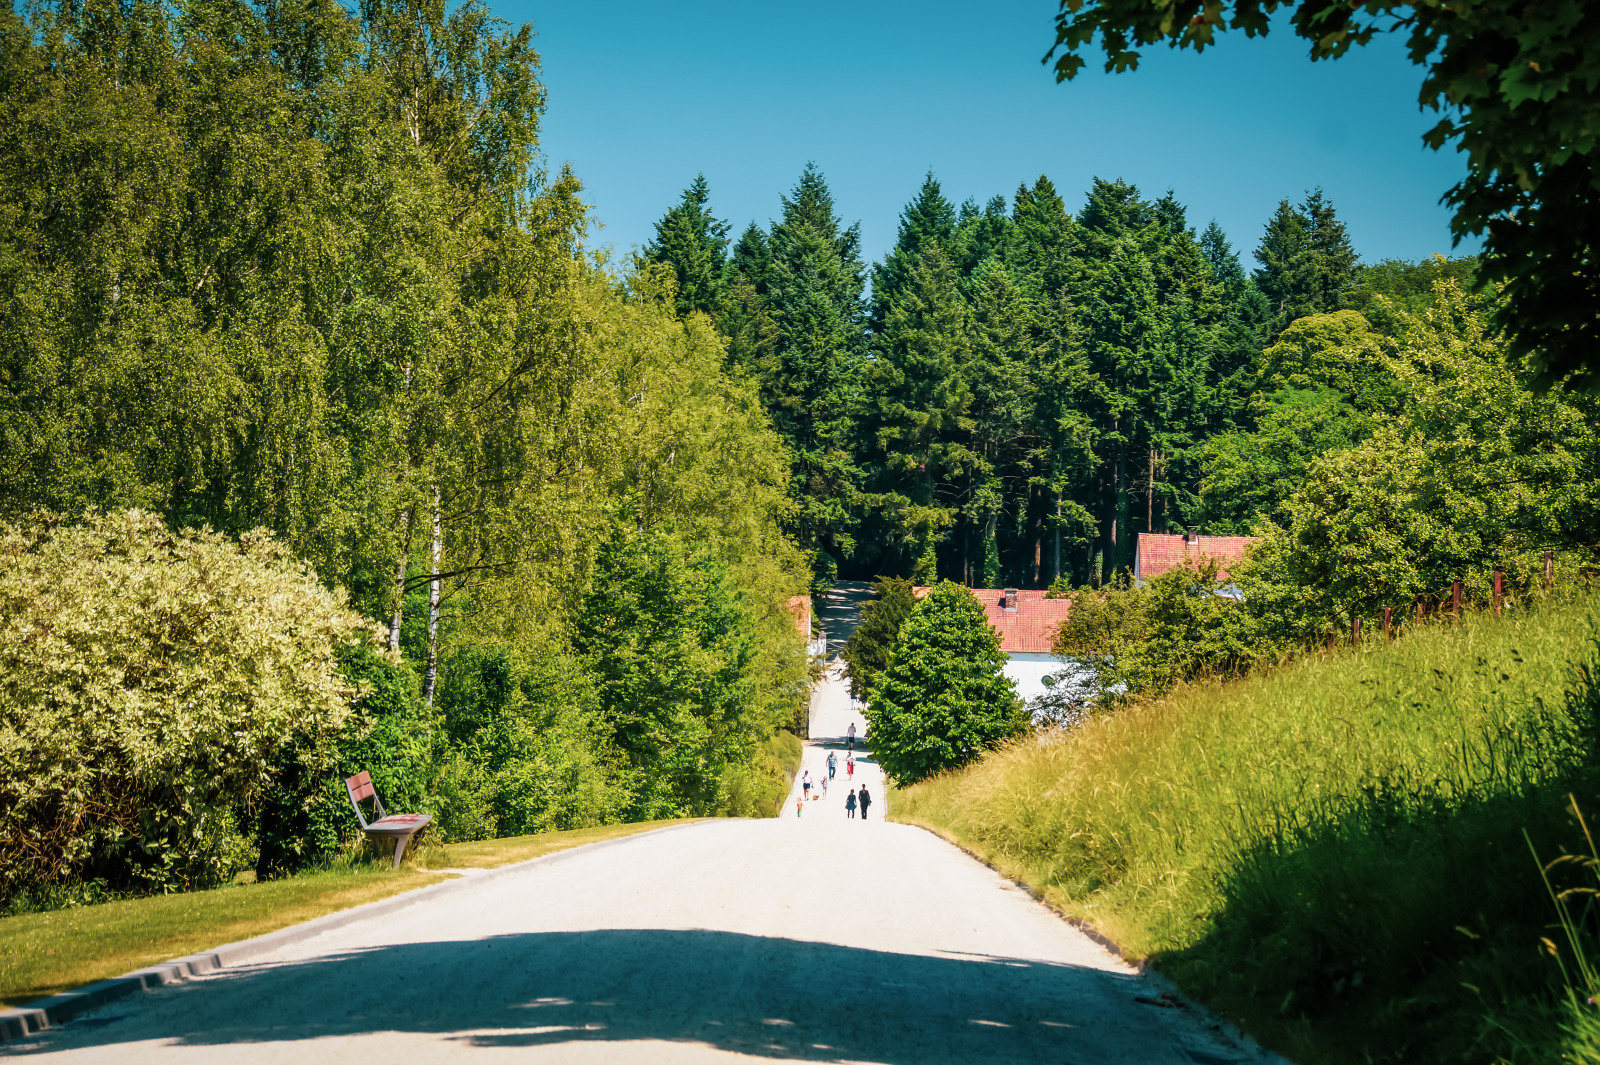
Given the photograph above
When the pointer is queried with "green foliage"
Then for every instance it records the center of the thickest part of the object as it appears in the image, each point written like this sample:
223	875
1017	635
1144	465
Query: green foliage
308	274
1145	640
757	789
869	648
671	647
944	698
1252	475
526	746
149	680
1517	94
1333	851
1473	471
303	816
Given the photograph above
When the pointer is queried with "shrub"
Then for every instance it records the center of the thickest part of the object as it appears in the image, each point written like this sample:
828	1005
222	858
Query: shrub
304	816
525	745
944	698
1148	639
148	678
867	651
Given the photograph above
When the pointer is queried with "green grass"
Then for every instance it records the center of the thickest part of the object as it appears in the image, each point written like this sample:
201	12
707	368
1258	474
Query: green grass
1329	853
46	953
488	853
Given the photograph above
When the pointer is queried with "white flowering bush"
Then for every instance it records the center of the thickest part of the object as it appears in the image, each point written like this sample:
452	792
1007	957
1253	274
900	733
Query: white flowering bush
148	679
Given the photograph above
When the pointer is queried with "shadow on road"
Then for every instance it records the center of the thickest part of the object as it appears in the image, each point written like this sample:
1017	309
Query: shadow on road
768	997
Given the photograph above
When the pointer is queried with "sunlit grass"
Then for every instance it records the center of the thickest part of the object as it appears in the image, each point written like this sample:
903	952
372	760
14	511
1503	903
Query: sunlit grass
488	853
1300	846
46	953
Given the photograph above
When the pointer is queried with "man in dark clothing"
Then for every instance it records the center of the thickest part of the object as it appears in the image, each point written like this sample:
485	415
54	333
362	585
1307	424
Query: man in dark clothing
865	800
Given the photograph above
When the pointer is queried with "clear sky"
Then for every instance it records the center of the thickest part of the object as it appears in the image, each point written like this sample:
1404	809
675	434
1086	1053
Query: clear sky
644	96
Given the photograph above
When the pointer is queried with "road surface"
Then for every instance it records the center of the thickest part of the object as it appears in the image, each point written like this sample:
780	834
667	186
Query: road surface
810	938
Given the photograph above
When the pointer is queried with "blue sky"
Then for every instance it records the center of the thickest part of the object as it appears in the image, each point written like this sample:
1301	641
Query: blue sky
644	96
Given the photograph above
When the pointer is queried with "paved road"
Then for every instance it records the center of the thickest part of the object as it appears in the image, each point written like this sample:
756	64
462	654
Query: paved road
810	938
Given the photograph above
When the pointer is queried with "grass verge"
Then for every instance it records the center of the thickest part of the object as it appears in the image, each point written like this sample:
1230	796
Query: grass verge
489	853
1331	853
47	953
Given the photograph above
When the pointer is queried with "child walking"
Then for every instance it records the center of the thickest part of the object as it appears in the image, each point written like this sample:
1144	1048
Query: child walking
850	804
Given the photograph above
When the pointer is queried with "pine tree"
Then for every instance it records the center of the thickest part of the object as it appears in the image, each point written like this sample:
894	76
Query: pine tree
694	243
1331	261
981	234
928	219
945	698
914	425
1241	335
1282	248
814	294
1306	261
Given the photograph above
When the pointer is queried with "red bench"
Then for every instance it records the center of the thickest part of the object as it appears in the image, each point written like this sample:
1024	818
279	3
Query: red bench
398	827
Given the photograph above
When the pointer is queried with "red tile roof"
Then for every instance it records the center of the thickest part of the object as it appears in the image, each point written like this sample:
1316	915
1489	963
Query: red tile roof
1159	552
1031	629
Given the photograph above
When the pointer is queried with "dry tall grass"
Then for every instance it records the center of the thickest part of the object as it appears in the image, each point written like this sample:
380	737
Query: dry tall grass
1301	847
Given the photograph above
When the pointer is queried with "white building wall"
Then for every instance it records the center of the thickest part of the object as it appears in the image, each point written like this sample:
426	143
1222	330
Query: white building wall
1027	670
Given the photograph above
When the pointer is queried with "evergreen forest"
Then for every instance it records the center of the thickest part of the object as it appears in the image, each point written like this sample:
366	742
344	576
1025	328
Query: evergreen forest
1021	387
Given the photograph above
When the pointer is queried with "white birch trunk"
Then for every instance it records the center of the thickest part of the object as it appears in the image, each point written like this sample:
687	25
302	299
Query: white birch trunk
431	676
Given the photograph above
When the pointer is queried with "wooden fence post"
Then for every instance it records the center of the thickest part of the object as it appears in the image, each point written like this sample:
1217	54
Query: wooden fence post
1455	599
1499	585
1355	629
1549	569
1419	610
1388	623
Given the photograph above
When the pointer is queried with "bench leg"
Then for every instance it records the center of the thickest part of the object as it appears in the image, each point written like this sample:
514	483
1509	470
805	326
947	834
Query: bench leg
400	848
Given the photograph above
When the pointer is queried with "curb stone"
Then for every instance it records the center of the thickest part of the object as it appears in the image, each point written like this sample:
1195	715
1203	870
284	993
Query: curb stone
30	1020
1228	1031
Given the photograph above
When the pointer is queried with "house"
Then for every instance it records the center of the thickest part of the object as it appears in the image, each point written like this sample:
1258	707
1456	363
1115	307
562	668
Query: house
1026	622
1156	553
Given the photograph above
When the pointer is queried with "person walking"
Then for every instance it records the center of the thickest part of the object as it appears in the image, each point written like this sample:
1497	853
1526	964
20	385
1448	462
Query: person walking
852	740
805	784
865	800
824	783
850	767
799	807
833	763
850	804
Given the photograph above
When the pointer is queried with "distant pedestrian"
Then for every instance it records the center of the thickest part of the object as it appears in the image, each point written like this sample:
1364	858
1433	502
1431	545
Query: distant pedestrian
799	807
865	800
850	767
824	787
851	742
850	804
805	784
833	763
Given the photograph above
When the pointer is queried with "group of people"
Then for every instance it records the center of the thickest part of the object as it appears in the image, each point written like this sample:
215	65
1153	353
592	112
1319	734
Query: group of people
858	799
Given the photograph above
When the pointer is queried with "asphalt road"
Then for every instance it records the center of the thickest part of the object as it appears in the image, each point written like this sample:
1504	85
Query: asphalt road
809	938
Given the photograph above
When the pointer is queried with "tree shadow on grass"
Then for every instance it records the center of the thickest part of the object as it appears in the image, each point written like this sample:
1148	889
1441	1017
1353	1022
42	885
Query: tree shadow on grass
1406	930
762	996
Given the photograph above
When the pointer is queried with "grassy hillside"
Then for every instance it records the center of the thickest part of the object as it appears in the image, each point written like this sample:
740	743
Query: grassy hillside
1332	853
